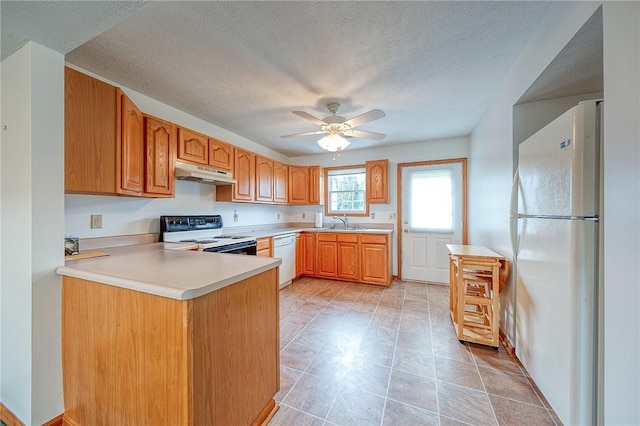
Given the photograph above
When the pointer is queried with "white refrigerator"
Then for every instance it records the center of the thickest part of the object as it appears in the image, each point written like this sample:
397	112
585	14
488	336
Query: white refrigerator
557	260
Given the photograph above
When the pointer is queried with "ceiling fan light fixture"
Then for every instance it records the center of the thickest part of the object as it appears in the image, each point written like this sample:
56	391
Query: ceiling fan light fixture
333	143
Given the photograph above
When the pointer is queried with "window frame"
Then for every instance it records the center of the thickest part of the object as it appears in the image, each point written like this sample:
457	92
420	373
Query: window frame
326	191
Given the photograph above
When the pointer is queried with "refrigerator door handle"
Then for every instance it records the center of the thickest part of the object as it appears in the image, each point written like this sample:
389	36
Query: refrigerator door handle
513	225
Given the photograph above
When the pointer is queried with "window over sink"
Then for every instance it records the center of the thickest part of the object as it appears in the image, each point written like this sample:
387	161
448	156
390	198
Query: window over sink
346	191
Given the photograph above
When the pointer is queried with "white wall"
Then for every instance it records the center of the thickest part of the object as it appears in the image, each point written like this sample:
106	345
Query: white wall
621	213
406	153
32	232
491	165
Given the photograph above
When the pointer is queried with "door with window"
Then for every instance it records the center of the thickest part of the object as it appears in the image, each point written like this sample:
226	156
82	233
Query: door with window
433	214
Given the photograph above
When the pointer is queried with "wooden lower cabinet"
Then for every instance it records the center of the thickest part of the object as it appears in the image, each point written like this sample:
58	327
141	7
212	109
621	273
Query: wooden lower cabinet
264	247
299	255
348	257
375	259
139	359
327	255
309	262
356	257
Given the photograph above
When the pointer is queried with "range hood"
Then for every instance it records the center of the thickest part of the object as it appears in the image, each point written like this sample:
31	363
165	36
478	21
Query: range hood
195	173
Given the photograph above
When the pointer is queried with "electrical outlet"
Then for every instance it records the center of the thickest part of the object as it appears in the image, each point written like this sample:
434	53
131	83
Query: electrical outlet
373	215
96	221
304	215
235	215
277	215
392	216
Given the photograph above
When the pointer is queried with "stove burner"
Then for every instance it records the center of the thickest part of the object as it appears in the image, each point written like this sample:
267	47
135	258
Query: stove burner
231	237
206	241
187	241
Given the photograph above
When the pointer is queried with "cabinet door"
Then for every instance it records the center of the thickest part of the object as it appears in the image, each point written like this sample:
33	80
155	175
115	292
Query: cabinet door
193	146
298	185
309	253
263	247
374	263
327	256
316	178
299	255
220	155
348	257
378	181
90	129
280	177
244	173
264	179
131	147
160	146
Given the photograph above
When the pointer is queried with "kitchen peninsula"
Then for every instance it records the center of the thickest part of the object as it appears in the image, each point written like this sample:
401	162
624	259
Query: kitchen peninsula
154	336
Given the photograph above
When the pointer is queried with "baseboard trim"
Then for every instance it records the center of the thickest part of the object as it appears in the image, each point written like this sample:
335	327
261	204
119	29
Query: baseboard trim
511	350
56	421
8	417
266	414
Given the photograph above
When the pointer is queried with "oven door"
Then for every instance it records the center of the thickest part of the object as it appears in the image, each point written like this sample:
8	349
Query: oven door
247	248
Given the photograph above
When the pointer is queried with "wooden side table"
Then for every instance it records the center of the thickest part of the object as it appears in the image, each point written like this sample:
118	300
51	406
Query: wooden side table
475	277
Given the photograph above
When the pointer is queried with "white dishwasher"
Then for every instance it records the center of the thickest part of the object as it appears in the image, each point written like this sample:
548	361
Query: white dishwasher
284	247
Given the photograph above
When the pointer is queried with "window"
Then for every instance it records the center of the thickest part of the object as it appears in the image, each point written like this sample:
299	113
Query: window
432	200
346	191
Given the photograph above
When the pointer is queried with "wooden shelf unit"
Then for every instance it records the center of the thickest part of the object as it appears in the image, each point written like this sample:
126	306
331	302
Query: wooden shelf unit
474	292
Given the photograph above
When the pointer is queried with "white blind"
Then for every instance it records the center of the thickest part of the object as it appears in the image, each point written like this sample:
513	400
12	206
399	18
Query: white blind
432	200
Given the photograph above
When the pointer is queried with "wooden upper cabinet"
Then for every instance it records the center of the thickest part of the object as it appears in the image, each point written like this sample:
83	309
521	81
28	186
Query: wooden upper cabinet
220	155
298	185
377	181
160	146
244	173
131	146
264	179
193	146
316	187
104	142
280	182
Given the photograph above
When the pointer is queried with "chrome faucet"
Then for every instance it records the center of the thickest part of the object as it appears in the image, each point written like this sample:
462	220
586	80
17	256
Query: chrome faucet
345	221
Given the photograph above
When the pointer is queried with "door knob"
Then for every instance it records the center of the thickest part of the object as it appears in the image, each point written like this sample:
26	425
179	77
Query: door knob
405	222
406	230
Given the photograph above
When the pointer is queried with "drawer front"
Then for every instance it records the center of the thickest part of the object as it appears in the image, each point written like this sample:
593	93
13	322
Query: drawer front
348	238
326	236
373	238
263	243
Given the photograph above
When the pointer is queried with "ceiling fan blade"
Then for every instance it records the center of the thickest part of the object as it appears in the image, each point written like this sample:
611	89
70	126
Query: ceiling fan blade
319	132
309	117
364	134
374	114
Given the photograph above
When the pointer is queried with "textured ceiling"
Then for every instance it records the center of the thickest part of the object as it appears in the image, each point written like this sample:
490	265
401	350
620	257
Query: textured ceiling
433	67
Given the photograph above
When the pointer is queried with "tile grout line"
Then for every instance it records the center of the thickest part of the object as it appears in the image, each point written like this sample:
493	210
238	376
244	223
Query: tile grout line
433	356
393	357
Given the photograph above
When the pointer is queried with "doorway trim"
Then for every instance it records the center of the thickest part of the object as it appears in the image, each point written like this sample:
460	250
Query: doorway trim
400	168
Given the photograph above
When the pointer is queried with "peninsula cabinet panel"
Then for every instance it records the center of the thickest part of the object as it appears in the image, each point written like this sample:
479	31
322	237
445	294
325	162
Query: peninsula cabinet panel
280	178
160	146
220	155
298	185
377	181
193	147
131	358
104	145
264	179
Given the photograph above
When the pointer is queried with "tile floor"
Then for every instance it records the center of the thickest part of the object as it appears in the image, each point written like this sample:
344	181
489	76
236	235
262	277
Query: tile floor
363	355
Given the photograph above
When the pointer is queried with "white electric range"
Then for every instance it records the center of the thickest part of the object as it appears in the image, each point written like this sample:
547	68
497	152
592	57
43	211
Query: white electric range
205	232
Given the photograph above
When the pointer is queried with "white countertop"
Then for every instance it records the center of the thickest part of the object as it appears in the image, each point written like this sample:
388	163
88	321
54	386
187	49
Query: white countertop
177	274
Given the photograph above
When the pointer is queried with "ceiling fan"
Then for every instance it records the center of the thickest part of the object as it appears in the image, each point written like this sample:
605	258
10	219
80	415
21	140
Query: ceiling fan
337	128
